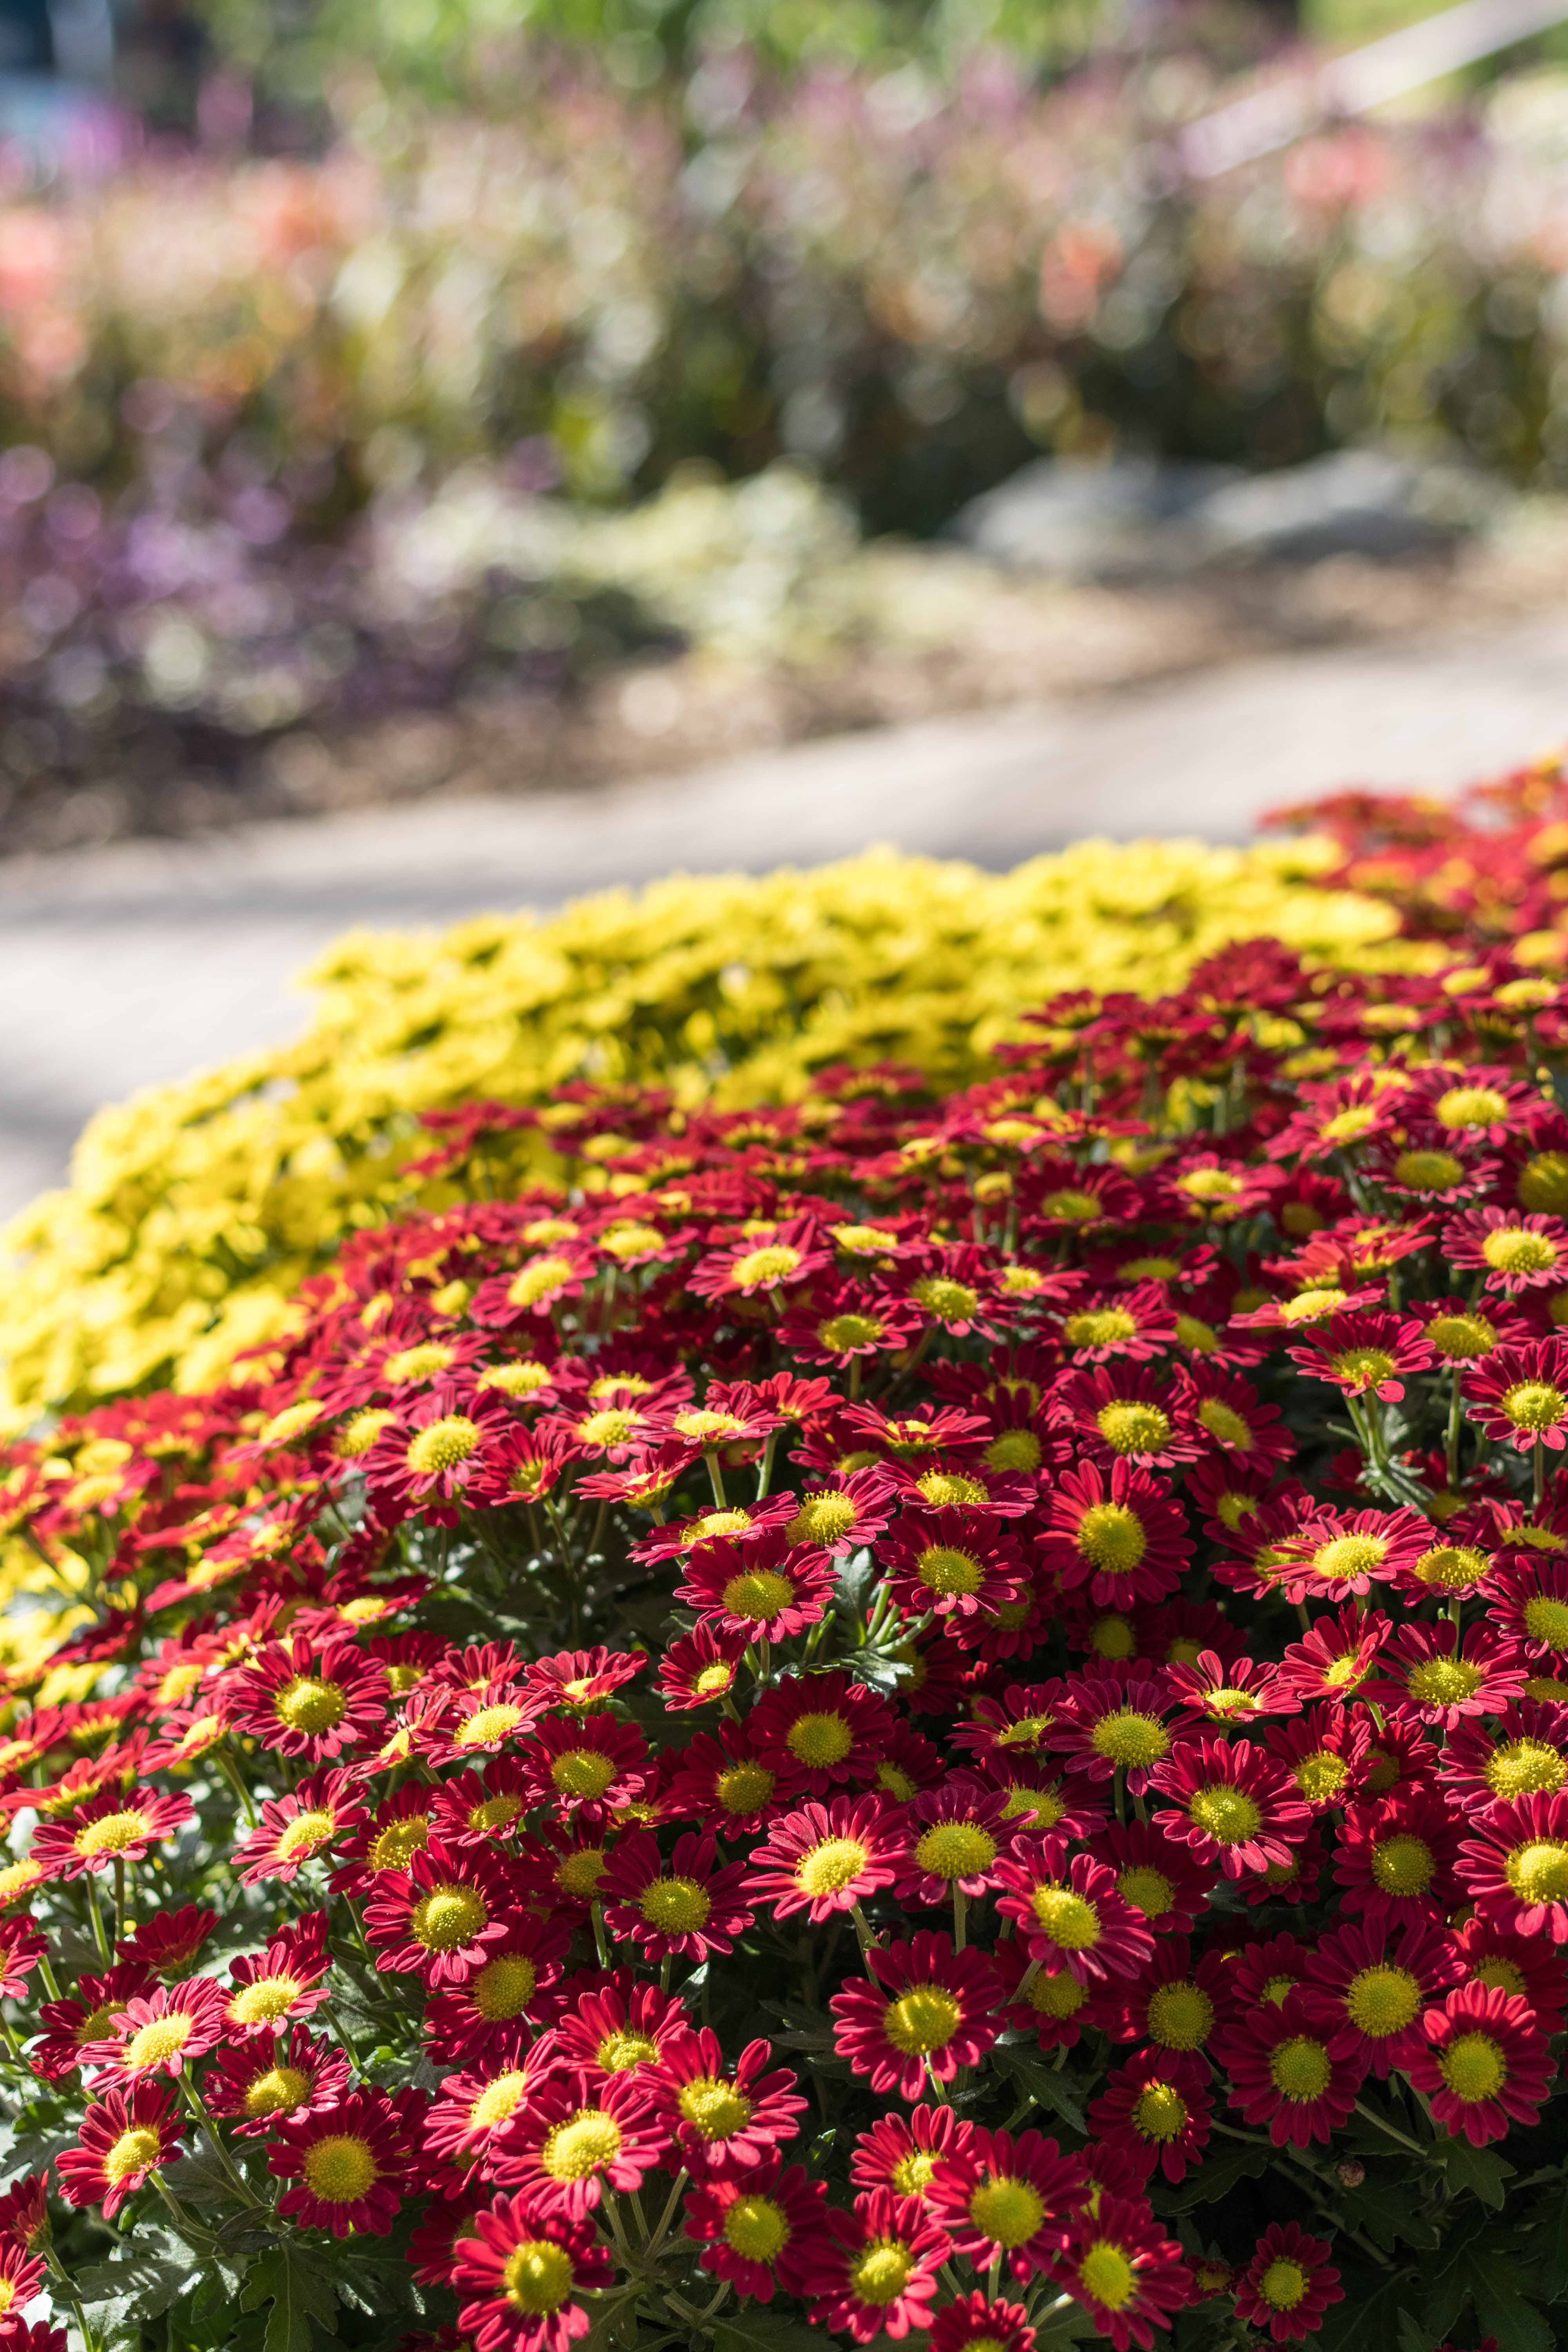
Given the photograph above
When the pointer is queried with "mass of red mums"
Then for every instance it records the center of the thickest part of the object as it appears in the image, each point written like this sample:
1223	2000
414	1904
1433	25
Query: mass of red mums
933	1719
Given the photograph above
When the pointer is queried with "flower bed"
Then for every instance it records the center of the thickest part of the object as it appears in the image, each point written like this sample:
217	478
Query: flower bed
874	1715
194	1209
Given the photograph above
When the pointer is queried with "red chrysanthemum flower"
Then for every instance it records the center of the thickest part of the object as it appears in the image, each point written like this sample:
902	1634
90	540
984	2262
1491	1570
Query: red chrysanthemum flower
261	2080
921	2011
1336	1555
112	1828
795	1251
1069	1911
1516	1867
827	1730
1114	1721
874	2271
951	1563
588	1768
692	1908
169	1941
1486	2065
349	2162
124	2137
1283	2072
1130	1326
827	1858
843	1323
443	1917
1126	1415
161	2031
1366	1355
1005	2201
1336	1658
1117	1530
294	1829
21	2277
723	2119
1395	1859
70	2024
1128	2278
1370	1994
1529	1966
701	1669
287	1981
621	2027
574	2137
475	2105
1519	1395
762	1588
1155	1876
1512	1250
900	2152
1288	2284
431	1456
516	2272
1441	1678
302	1700
1154	2111
1175	2003
1325	1754
953	1839
759	2231
841	1515
511	1991
1234	1806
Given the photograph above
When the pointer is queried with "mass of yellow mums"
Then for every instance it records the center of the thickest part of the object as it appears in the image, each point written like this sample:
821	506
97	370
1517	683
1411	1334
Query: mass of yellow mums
194	1210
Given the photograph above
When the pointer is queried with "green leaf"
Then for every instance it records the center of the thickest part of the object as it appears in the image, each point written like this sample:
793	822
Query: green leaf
142	2284
299	2288
1374	2311
1213	2178
1554	2247
766	2331
1073	2325
1501	2308
1413	2336
1479	2170
1389	2213
1046	2086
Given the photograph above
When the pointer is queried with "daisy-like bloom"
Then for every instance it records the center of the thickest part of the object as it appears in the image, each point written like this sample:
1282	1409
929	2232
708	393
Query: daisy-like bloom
1112	1722
473	2106
1128	2277
1174	2004
1283	2072
1526	1966
1228	1690
840	1515
953	1563
901	2152
1247	1433
763	1590
1513	1251
793	1253
580	1678
692	1908
1529	1598
1154	2110
1006	2200
438	1453
24	2212
1395	1859
759	2230
822	1859
1366	1355
1325	1753
1069	1911
974	2325
1130	1326
1233	1805
1056	2008
952	1838
496	2007
69	2025
824	1728
443	1917
1441	1678
874	2271
723	2119
112	1828
124	2137
488	1805
1337	1657
621	2028
700	1668
516	2272
1126	1415
737	1523
1515	1869
1519	1395
161	2031
843	1322
295	1828
21	1948
498	1716
256	2083
1370	1991
21	2278
588	1768
1525	1755
721	1779
1338	1554
574	2137
925	2011
1459	1333
287	1979
349	2163
1486	2065
1159	1878
1288	2284
307	1701
1118	1531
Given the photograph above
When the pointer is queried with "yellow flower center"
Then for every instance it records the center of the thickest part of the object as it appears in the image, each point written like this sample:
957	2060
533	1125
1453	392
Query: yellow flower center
1523	1768
945	1489
1429	1171
155	2044
1007	2210
1283	2285
1104	1327
1108	2275
1320	1776
359	1433
1382	2000
584	1772
1015	1449
487	1722
579	1874
949	1301
758	1594
822	1518
830	1866
504	1987
1538	1872
925	2018
309	1704
267	1998
1474	2067
113	1833
134	2151
395	1847
498	2100
1130	1738
1160	2112
538	2277
1533	1404
590	2141
720	1523
1403	1865
756	2228
1068	1207
449	1917
761	1268
1133	1428
716	2109
1471	1107
519	1379
1364	1367
276	2091
744	1787
1070	1921
1112	1538
1346	1557
1452	1567
943	1569
1181	2016
1444	1682
1546	1621
1458	1337
675	1906
955	1850
880	2274
1229	1815
306	1829
820	1740
1518	1251
493	1813
617	2053
1544	1184
1301	2068
339	2169
1502	1975
1146	1890
534	1282
442	1445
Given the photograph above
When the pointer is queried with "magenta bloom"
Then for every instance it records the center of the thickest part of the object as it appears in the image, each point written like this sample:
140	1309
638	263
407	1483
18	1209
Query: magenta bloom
922	2011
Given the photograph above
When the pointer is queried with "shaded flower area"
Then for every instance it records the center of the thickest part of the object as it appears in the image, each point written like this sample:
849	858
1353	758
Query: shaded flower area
938	1719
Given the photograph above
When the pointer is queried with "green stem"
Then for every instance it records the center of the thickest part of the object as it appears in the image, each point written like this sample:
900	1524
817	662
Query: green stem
960	1906
716	1480
225	1766
198	2105
95	1913
1402	2137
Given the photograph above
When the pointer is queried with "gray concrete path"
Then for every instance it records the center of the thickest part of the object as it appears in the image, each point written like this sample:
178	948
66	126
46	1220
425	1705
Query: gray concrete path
122	967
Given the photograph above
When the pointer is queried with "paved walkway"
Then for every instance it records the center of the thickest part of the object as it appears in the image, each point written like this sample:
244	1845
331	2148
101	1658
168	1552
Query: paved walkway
122	967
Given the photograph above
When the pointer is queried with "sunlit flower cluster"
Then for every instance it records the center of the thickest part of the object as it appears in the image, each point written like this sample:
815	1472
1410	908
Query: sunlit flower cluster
934	1717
